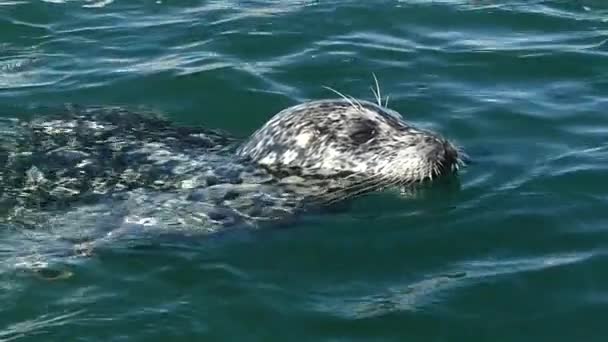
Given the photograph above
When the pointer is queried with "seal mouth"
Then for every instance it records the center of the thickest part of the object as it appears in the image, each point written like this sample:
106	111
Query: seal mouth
446	159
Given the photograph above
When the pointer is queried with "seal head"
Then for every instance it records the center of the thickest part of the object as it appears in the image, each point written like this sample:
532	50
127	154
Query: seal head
351	139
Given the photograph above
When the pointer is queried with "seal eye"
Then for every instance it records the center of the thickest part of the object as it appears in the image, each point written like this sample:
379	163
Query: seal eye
363	132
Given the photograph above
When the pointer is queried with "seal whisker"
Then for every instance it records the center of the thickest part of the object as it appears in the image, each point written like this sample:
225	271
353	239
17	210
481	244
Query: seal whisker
335	195
376	96
377	92
365	186
348	99
356	104
348	193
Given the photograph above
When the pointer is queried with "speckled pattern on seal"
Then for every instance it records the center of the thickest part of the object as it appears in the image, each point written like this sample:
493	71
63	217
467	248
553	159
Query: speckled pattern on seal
359	138
106	171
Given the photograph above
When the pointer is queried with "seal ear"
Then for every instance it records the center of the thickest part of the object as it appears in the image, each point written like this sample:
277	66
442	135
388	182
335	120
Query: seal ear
363	131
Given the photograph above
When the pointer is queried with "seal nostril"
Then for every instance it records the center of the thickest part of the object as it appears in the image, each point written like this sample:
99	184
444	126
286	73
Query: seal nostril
450	151
450	156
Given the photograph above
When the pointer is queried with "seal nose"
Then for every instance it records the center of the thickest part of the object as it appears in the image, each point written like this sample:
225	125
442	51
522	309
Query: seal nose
450	156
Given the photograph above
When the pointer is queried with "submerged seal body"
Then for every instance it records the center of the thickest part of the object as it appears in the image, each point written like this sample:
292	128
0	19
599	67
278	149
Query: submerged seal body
106	171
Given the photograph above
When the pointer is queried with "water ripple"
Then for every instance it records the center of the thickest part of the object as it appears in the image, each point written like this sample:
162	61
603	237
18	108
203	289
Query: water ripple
521	85
38	325
418	295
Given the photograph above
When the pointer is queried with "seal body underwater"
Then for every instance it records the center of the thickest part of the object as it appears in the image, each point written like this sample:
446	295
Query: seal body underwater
99	173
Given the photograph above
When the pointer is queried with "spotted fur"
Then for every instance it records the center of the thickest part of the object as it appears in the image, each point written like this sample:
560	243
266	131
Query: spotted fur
344	137
109	171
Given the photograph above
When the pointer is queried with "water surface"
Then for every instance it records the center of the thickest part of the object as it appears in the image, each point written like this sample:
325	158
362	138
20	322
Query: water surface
515	252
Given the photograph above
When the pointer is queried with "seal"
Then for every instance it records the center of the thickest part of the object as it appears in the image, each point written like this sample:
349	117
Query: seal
99	173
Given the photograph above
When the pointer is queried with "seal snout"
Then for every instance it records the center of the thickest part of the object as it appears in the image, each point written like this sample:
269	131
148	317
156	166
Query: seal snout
450	159
440	157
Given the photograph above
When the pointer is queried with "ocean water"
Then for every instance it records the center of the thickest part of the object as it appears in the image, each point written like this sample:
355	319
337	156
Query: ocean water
516	251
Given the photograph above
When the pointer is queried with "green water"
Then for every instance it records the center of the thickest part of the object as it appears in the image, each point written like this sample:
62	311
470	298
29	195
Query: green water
515	252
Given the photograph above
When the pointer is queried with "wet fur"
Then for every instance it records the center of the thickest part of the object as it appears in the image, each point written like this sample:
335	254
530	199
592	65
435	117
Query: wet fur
144	173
